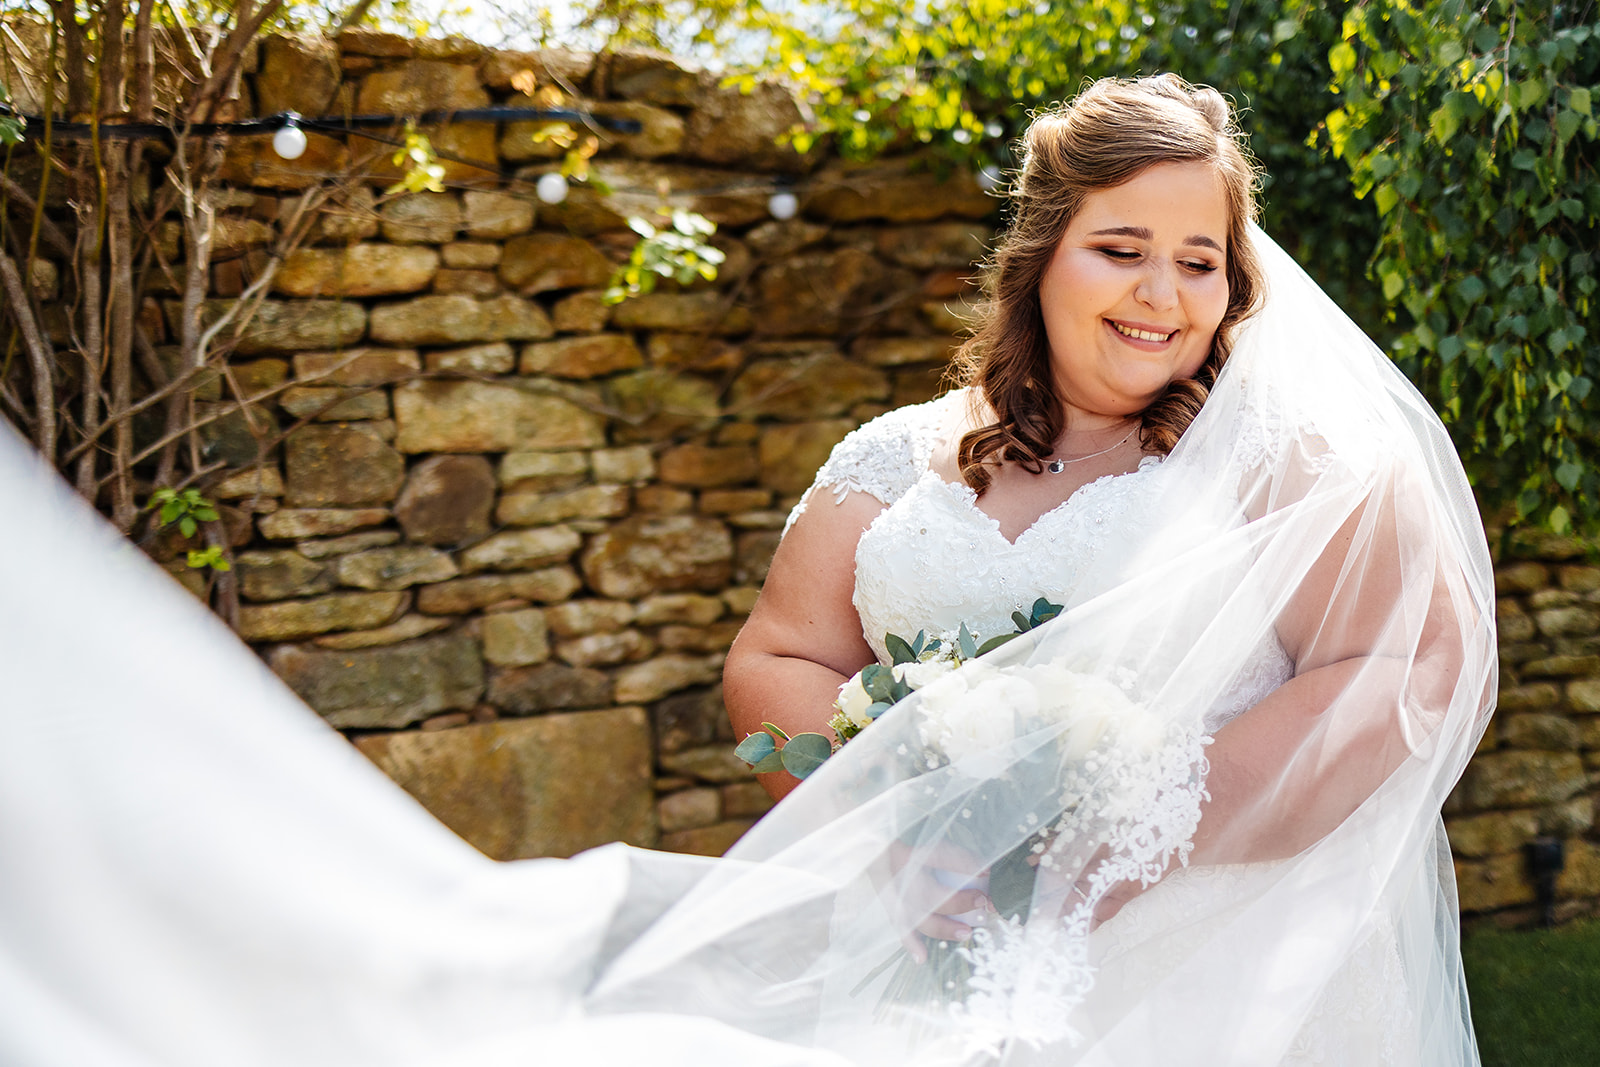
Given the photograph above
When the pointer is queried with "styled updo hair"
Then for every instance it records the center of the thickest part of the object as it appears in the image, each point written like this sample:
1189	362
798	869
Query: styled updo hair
1110	133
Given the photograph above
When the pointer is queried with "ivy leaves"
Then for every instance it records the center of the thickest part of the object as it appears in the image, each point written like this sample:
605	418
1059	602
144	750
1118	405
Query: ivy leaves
1474	132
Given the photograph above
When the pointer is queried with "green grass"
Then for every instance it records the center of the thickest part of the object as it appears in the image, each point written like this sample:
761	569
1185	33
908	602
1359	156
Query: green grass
1536	995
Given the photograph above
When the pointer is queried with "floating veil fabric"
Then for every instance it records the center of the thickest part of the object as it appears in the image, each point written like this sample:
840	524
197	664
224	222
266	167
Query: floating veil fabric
193	870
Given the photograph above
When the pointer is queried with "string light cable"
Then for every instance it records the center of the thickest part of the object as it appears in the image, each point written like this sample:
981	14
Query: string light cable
136	131
289	141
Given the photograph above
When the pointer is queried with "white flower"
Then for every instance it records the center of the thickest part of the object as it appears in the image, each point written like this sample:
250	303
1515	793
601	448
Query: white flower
853	702
918	675
971	716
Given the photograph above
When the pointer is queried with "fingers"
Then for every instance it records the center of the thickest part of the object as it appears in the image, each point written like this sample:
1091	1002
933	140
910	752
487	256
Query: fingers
944	928
963	901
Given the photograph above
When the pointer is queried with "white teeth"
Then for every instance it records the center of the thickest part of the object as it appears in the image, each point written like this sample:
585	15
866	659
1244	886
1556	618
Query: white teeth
1141	335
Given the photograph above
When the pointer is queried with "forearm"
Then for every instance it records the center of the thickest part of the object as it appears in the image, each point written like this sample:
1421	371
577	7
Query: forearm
1285	773
796	695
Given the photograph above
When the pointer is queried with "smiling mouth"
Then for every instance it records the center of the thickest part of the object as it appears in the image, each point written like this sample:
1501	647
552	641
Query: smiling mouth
1141	335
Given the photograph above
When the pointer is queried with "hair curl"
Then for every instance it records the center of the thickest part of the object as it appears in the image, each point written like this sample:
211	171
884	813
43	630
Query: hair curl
1110	133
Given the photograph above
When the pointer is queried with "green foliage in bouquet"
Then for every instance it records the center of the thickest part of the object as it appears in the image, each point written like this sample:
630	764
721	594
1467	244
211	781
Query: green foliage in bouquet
804	753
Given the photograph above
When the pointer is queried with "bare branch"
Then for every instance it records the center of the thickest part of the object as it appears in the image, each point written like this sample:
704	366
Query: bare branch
39	354
47	229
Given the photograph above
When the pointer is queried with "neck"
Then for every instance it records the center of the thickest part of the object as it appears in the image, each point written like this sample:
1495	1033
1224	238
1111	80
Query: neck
1085	432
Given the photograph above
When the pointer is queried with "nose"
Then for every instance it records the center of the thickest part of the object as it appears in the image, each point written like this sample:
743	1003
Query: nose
1158	289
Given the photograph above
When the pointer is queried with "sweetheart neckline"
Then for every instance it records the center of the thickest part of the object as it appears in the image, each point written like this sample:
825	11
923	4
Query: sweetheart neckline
969	498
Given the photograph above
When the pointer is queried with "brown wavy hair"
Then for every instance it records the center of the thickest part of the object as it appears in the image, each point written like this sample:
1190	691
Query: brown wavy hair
1110	133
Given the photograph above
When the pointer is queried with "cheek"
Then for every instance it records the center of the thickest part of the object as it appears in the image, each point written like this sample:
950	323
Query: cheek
1206	308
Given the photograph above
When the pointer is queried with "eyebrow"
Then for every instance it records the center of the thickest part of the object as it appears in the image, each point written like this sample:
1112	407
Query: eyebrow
1143	233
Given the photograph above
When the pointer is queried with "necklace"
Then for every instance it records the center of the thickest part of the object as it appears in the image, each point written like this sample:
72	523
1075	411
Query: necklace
1056	466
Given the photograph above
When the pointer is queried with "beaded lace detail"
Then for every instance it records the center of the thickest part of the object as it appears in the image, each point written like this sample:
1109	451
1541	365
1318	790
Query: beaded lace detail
933	560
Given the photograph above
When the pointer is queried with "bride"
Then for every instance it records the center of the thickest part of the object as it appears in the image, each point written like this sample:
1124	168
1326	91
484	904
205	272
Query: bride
1192	817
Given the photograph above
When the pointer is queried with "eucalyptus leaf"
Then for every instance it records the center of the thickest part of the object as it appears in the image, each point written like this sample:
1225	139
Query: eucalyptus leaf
995	642
805	753
878	681
969	647
769	764
1011	880
899	651
878	708
755	748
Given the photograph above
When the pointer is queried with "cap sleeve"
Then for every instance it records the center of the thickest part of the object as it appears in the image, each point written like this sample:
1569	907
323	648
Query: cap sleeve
882	458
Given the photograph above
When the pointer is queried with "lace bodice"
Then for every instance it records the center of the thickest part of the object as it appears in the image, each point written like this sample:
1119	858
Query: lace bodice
932	560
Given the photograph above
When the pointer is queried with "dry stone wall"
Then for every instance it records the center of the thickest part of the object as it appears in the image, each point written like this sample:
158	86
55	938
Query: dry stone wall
1537	772
514	530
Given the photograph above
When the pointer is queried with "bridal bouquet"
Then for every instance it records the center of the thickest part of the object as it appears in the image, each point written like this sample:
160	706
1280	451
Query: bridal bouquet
1031	753
875	688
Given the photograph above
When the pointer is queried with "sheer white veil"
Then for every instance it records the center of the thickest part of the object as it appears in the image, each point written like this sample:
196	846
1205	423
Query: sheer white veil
193	869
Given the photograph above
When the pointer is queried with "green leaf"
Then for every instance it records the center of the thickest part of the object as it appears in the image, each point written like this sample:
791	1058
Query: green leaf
1579	101
995	642
1567	123
1444	124
1341	59
877	708
1044	611
769	765
755	748
1386	198
187	526
1471	289
969	647
1020	621
878	681
899	650
1011	880
775	731
1567	475
1393	284
805	753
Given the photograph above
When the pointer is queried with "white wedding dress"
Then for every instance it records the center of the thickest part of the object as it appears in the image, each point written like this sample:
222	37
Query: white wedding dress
932	560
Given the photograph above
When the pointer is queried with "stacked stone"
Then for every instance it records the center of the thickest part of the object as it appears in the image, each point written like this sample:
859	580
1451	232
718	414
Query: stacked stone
516	529
1537	771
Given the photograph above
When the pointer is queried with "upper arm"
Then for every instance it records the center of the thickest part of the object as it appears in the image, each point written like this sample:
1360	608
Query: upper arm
806	609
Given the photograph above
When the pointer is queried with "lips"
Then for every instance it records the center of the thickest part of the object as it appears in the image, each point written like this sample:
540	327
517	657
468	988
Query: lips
1140	334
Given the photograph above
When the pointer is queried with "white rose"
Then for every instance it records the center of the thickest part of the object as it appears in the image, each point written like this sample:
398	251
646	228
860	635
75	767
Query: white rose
853	702
917	675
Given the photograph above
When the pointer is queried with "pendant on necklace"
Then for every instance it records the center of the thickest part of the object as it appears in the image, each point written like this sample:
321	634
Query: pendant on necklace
1057	466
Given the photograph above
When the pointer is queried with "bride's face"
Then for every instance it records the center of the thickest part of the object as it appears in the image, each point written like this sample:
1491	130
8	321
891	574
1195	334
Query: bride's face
1136	289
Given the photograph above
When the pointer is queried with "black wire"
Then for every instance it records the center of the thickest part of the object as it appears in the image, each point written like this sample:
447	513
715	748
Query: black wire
135	131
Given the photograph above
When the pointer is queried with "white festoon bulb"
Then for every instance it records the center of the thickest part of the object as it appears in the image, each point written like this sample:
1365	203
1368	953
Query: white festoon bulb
551	188
783	205
290	140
